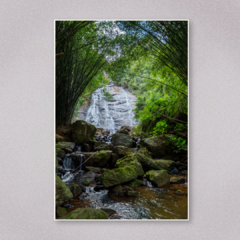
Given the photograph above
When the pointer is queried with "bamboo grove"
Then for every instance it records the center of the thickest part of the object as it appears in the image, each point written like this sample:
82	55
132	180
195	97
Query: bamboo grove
149	58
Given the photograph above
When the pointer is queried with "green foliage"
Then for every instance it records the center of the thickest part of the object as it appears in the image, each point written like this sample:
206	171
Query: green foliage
160	128
178	144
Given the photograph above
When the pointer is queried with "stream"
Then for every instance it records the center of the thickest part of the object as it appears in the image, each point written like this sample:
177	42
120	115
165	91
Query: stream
152	203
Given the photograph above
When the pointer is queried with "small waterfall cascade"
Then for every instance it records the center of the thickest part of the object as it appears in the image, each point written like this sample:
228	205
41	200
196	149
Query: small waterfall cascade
70	170
110	113
81	162
68	163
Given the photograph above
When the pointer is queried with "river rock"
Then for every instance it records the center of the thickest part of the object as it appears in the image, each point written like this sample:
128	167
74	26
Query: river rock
156	145
174	180
63	193
76	190
131	160
118	176
122	151
158	177
134	184
116	191
119	139
94	169
89	177
82	132
86	213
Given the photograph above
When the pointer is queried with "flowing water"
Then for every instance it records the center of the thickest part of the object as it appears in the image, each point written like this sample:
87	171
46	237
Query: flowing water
110	113
153	203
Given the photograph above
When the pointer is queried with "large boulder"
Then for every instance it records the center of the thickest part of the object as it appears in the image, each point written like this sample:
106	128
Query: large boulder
122	151
76	190
156	145
165	164
101	158
128	161
118	176
82	132
98	146
96	159
119	139
87	213
149	163
158	177
63	193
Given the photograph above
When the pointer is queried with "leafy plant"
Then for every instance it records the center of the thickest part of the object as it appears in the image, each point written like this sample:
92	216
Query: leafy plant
178	144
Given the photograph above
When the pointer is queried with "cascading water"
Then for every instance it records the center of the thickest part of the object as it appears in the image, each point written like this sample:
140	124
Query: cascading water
70	168
110	113
68	163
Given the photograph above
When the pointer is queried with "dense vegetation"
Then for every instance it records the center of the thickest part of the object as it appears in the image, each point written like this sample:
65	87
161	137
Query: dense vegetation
148	58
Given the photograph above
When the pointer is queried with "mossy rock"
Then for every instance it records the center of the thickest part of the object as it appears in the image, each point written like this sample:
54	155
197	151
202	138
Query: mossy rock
101	158
158	177
156	145
63	193
82	132
130	160
144	151
76	190
118	176
149	163
65	145
61	211
165	164
173	179
123	151
86	213
134	184
102	147
119	139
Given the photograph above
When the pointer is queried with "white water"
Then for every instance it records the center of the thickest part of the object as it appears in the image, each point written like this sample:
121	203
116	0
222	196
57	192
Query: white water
114	113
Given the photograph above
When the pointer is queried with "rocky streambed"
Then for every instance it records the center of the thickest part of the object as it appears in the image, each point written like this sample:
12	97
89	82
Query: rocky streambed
118	176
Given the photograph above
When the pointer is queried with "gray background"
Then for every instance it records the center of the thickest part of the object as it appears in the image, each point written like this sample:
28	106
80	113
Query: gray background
27	119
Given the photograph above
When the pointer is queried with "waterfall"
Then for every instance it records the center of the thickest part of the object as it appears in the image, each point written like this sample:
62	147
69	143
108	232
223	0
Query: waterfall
68	163
110	114
81	161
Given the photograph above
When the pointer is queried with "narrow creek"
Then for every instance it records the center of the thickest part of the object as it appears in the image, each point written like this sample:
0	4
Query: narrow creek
152	202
